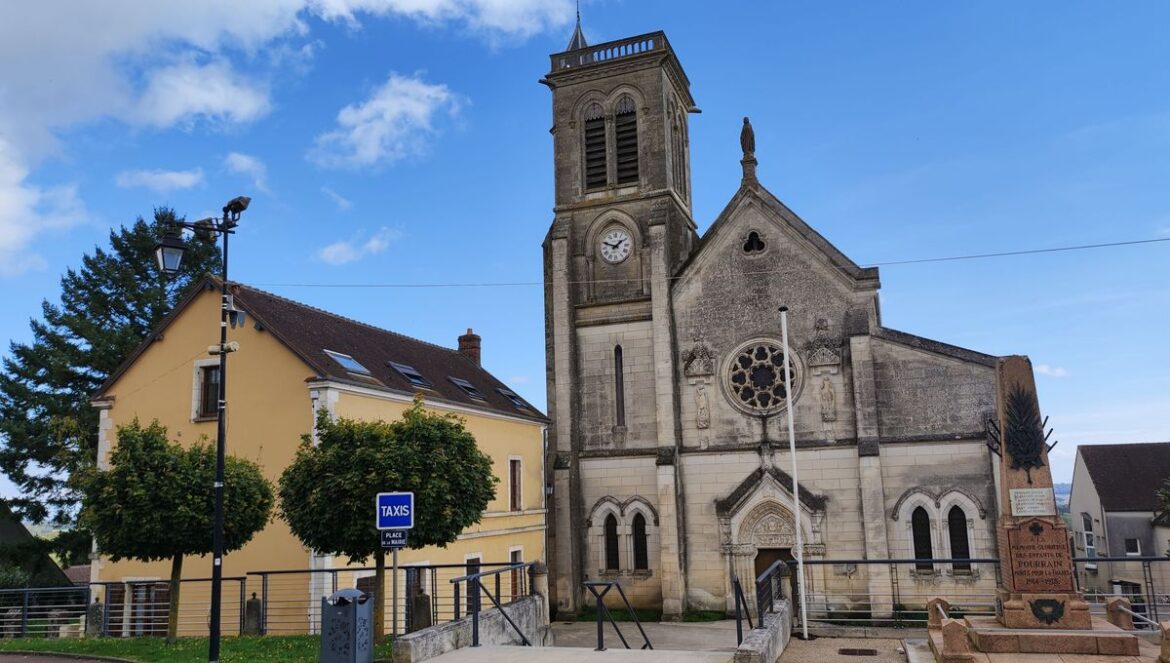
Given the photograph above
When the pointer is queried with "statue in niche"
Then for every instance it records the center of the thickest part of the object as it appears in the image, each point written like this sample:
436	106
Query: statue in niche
828	401
824	349
698	361
702	407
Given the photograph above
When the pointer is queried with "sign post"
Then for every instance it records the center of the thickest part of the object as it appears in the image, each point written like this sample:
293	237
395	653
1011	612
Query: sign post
394	515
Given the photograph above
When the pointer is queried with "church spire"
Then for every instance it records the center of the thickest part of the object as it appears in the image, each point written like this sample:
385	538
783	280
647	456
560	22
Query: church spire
578	39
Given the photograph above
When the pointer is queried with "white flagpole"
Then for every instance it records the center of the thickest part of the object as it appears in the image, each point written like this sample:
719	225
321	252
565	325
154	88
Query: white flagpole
795	476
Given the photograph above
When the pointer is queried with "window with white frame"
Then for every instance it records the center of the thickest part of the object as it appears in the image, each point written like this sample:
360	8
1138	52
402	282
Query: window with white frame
1133	547
1090	539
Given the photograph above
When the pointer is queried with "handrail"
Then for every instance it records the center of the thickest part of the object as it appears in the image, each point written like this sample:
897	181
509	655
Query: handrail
475	584
740	604
1140	617
592	586
941	611
348	569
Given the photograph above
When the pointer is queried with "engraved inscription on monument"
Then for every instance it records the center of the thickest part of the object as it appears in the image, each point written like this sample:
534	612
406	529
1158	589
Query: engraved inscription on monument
1039	557
1032	502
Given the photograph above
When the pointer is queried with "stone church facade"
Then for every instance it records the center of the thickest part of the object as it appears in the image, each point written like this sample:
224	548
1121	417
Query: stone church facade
668	454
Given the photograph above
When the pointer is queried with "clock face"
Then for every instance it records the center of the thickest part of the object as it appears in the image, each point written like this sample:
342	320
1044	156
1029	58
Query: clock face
616	245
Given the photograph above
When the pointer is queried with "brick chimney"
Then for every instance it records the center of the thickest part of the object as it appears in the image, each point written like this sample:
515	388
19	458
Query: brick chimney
469	345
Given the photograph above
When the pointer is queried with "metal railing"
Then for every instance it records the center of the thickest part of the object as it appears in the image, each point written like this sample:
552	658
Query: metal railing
291	598
892	592
603	612
131	608
476	588
741	610
769	588
1144	581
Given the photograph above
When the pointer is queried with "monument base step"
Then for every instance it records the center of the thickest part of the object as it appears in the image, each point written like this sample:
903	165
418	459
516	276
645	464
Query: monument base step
991	641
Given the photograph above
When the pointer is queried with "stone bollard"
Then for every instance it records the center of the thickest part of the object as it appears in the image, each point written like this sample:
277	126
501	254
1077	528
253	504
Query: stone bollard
1164	656
933	618
56	619
1116	615
94	615
956	644
253	613
420	615
10	623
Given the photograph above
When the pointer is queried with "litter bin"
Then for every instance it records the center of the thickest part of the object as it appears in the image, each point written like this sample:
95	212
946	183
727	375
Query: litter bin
347	635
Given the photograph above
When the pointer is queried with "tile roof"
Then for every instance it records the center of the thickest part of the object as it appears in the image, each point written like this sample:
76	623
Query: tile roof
1128	476
308	332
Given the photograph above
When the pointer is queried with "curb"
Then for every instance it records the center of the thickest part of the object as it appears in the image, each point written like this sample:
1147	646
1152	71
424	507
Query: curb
77	657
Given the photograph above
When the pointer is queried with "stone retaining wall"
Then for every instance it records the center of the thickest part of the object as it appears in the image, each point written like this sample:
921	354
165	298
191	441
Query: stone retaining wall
529	613
764	645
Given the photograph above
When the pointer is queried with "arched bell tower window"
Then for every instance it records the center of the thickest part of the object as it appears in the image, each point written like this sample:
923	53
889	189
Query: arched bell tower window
960	544
923	550
641	558
612	560
626	139
595	147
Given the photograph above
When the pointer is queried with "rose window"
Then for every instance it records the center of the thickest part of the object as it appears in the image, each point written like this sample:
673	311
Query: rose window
756	377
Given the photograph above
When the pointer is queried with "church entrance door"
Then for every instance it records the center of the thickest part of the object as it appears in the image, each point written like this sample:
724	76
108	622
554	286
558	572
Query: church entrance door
765	557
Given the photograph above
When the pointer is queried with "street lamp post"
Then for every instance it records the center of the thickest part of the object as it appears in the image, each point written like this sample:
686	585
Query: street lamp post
170	255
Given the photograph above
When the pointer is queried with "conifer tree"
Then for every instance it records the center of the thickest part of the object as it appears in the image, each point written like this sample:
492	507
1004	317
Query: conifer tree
48	429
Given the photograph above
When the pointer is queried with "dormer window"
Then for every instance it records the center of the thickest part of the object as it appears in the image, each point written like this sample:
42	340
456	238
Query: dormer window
517	402
348	363
412	376
468	388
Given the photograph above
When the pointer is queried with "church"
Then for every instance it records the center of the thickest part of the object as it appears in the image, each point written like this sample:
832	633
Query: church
668	458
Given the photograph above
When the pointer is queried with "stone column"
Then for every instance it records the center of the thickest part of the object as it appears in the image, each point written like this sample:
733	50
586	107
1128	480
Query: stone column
873	494
563	543
670	507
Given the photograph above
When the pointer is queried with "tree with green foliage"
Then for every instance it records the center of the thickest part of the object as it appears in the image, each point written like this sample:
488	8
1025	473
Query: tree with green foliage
156	502
48	429
327	494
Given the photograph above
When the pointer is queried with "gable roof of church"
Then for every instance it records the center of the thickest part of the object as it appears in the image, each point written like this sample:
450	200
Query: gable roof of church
753	189
308	332
1128	476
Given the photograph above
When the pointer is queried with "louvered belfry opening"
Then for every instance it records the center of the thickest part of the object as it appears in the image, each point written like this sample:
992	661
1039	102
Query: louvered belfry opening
595	147
626	134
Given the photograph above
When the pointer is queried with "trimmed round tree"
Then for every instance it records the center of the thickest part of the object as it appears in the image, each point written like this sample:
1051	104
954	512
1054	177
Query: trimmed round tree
327	494
156	502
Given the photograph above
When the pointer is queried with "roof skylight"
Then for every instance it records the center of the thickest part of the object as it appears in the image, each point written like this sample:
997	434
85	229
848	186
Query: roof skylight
348	363
516	400
412	376
468	388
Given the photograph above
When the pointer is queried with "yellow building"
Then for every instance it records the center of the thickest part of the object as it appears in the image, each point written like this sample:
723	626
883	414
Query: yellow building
294	360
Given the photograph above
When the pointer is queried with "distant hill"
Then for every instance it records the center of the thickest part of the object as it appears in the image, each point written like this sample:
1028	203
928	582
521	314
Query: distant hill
1063	494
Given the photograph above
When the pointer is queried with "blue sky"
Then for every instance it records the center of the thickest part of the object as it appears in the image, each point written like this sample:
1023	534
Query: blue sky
406	142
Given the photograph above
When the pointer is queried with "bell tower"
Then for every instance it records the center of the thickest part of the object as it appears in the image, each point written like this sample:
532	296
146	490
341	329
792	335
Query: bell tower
622	228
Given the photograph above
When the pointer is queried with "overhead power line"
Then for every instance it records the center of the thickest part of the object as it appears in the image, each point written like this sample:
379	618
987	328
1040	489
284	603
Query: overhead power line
890	263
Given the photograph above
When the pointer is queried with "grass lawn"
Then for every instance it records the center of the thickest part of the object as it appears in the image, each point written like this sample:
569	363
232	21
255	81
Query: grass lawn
265	649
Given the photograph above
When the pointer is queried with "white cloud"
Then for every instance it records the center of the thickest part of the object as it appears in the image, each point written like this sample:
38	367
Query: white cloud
162	64
26	209
397	121
347	251
243	164
184	92
162	181
342	202
1051	371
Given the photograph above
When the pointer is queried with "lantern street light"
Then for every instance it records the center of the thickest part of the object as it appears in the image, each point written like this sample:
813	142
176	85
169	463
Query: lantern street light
169	253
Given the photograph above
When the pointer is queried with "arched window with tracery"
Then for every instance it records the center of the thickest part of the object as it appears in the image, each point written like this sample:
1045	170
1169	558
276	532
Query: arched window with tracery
960	544
920	528
612	559
641	554
595	157
626	140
